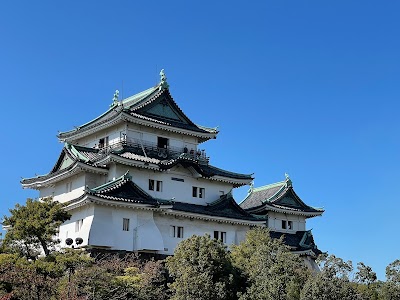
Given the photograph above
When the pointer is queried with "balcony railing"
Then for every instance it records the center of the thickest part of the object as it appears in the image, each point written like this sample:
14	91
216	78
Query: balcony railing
152	150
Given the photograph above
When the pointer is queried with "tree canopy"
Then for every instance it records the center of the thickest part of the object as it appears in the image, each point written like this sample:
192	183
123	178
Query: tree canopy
34	226
272	271
201	269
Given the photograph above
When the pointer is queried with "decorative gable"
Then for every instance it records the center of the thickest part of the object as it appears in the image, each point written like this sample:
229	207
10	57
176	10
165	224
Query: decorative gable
289	201
67	161
165	110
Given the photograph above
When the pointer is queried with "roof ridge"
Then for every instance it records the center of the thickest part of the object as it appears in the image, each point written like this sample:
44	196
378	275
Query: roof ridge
139	97
268	186
125	176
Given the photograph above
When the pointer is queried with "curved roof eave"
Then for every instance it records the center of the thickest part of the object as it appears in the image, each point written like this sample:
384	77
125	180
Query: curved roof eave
285	210
88	198
153	123
214	218
49	179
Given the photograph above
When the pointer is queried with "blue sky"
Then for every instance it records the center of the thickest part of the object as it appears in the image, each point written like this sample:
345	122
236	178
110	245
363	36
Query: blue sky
310	88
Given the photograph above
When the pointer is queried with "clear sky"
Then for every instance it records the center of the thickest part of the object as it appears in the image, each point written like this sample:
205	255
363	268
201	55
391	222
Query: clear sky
310	88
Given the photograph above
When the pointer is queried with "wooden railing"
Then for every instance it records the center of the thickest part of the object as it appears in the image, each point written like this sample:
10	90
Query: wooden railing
146	148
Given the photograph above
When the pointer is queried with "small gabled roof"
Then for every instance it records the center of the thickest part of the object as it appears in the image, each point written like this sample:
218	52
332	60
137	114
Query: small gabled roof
71	160
279	197
123	189
224	207
206	170
153	106
299	241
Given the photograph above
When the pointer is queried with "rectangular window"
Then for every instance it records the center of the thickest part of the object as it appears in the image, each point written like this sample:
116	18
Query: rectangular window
180	232
220	235
68	187
155	185
162	142
198	192
151	184
78	225
290	225
194	191
201	192
284	224
103	142
159	186
177	232
178	179
125	224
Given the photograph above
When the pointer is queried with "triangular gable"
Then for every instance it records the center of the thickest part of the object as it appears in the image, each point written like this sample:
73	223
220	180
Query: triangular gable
165	110
67	161
123	188
290	199
164	107
64	161
128	190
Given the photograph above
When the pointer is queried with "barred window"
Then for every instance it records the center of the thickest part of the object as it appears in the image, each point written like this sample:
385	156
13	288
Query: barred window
125	224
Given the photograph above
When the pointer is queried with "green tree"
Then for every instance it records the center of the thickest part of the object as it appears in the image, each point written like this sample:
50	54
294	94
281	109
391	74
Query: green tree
366	282
272	271
33	226
201	269
332	282
391	288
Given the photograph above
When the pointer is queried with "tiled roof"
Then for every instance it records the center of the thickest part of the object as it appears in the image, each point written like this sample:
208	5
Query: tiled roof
123	189
141	110
78	156
299	241
224	207
257	196
139	106
279	195
205	170
94	157
184	160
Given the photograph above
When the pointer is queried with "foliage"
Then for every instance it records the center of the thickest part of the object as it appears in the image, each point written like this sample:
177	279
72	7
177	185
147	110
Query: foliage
323	287
332	266
365	275
391	290
272	271
34	226
201	269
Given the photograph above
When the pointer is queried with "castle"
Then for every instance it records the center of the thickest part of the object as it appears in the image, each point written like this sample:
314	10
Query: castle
135	179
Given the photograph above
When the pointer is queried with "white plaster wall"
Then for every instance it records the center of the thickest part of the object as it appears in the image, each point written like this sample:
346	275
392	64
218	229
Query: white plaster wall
47	191
107	229
68	229
180	191
77	189
137	133
113	134
275	222
234	233
147	234
113	172
93	180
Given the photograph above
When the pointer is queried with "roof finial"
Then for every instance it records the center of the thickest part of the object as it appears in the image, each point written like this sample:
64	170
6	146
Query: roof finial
163	80
288	181
115	99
